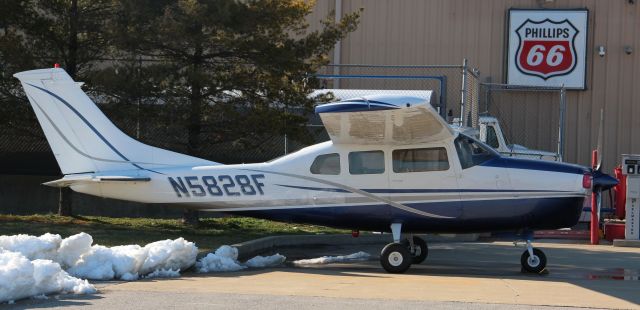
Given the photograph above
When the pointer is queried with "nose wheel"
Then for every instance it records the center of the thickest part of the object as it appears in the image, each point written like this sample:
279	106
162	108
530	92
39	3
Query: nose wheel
533	260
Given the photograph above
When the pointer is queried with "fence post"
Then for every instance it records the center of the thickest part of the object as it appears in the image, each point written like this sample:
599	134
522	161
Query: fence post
563	106
487	95
337	48
139	97
286	151
443	97
463	92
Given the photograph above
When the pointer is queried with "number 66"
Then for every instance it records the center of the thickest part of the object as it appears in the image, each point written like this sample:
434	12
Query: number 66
554	56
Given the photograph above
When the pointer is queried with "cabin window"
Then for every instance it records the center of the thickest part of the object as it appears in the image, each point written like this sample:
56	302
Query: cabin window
472	152
492	137
326	164
367	162
420	160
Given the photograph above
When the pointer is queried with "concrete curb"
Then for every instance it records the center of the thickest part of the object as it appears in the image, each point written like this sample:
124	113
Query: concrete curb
251	248
626	243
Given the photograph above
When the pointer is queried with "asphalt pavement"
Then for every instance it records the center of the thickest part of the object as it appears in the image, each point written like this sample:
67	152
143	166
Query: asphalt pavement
477	275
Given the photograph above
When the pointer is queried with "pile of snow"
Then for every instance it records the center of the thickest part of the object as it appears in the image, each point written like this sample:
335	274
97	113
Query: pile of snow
164	273
21	277
359	256
126	262
80	258
225	258
36	266
32	247
266	261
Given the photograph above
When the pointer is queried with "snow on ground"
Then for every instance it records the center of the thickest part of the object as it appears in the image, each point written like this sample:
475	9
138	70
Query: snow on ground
359	256
163	273
21	277
225	258
265	261
32	247
80	258
36	266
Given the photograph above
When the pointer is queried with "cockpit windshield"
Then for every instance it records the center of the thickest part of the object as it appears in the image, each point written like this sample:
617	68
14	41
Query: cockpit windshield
473	152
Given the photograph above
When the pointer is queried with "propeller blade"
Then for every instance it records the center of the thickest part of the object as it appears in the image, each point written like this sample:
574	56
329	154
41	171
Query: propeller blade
598	194
600	134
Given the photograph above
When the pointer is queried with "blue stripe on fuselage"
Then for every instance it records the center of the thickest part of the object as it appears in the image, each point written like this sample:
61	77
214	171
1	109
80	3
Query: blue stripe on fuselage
320	189
530	164
468	216
421	190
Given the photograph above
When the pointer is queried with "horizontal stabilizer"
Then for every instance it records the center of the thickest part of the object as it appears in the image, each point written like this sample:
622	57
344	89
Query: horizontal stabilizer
75	180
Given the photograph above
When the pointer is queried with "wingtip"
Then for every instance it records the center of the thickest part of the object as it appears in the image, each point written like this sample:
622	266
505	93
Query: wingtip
38	74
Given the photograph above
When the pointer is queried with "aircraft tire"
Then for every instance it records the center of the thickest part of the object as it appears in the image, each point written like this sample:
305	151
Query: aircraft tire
535	264
422	250
395	258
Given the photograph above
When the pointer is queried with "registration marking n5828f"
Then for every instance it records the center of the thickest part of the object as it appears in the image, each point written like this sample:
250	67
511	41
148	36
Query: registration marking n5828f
221	185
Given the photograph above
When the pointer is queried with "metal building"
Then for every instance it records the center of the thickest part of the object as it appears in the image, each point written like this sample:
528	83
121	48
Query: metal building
429	32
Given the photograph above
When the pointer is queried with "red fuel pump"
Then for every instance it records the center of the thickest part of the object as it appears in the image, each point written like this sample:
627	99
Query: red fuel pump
620	191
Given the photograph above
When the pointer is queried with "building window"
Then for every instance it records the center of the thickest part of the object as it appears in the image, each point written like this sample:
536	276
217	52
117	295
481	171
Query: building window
326	164
420	160
367	162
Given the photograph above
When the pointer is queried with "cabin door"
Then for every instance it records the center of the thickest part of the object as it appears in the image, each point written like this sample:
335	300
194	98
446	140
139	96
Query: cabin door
423	178
483	185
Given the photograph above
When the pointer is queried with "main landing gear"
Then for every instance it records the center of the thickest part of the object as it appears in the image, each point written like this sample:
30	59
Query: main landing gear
398	256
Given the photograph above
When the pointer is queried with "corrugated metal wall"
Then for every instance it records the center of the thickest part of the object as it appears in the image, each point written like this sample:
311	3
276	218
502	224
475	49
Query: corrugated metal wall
426	32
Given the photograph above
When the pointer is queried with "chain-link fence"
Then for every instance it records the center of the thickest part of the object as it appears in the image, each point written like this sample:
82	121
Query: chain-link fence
470	102
529	116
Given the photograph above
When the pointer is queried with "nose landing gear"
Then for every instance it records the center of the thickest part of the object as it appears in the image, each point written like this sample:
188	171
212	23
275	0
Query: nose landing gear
533	260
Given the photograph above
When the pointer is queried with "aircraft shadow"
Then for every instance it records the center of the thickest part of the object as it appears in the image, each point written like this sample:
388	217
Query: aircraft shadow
611	271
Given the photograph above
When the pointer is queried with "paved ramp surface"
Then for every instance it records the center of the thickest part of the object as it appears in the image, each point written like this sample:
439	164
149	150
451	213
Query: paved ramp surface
455	275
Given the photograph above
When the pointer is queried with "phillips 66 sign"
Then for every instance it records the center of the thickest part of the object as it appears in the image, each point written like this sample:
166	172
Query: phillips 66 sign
547	48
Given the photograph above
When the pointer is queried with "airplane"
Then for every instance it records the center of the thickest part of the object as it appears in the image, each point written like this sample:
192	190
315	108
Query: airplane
392	165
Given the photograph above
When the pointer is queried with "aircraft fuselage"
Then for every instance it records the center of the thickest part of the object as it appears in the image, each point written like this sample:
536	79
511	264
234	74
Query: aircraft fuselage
496	194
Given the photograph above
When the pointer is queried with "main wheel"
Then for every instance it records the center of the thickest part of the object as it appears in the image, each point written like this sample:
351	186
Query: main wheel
421	250
395	258
535	263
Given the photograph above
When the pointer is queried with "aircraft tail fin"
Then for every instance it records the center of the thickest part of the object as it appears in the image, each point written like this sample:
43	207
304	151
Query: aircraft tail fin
82	138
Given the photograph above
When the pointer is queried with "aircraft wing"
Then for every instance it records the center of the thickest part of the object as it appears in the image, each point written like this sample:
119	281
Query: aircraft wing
383	119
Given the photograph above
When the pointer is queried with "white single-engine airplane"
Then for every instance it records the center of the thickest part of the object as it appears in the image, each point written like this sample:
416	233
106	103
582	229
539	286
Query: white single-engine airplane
392	164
